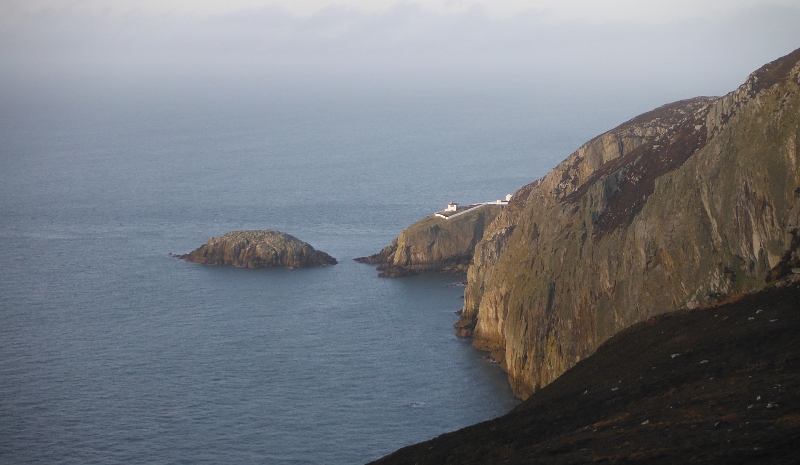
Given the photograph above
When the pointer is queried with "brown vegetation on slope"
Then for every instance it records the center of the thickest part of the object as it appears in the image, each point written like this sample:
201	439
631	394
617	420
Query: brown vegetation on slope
633	175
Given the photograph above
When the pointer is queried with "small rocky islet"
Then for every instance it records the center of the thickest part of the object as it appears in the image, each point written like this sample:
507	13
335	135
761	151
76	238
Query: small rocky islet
258	249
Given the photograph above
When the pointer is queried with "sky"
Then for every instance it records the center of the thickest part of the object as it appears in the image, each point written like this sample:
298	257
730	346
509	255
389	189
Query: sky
628	10
664	50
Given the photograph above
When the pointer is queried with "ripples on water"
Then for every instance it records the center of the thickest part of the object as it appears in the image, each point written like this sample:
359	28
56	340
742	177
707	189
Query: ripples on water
112	352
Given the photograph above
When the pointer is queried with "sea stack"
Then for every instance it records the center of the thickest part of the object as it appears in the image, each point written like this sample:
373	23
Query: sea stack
258	249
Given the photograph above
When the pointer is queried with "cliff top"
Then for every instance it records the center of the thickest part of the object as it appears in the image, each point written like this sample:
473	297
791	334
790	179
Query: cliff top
774	72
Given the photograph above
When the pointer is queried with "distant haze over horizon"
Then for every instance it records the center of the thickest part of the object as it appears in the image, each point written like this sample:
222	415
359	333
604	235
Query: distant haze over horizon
254	50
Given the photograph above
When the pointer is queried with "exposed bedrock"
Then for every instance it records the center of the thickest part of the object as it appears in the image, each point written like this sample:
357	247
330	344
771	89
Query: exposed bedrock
435	244
676	208
258	249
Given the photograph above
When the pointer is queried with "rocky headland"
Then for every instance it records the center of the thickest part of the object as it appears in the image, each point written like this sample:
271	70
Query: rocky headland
644	296
677	208
258	249
435	244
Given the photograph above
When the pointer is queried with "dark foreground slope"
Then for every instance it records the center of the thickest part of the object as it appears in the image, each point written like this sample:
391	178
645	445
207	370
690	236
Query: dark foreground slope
718	384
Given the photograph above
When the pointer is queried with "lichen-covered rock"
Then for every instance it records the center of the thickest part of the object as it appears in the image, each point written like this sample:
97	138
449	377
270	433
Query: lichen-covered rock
673	209
435	244
258	249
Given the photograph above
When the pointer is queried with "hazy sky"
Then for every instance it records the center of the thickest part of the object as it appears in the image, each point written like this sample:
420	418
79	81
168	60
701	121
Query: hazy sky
634	10
676	48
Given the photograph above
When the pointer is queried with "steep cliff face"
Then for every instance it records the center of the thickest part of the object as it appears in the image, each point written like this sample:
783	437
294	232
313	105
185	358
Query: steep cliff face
675	208
435	244
258	249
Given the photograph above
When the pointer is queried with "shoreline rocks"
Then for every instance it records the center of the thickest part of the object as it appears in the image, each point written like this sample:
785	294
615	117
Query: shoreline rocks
258	249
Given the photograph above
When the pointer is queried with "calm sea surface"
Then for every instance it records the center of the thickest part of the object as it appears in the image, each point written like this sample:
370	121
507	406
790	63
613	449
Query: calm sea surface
113	352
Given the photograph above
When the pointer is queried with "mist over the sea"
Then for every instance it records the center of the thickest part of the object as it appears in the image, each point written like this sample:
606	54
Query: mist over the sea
578	54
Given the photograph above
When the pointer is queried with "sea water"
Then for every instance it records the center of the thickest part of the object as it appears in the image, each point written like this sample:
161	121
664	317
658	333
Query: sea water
113	352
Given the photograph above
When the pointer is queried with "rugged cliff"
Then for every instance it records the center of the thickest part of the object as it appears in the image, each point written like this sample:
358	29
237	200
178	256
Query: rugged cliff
258	249
673	209
435	244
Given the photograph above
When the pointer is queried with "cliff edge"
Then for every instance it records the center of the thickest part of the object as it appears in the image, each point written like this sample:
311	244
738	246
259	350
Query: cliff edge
676	208
258	249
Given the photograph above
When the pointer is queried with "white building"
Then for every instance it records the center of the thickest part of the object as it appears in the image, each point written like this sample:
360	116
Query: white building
451	207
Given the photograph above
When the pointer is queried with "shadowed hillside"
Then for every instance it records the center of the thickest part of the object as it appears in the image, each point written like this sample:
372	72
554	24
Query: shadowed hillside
718	384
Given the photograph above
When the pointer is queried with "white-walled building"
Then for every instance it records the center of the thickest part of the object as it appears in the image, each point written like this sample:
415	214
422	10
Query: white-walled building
452	209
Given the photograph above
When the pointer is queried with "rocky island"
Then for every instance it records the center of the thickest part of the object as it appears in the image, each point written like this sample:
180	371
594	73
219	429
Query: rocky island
438	243
258	249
